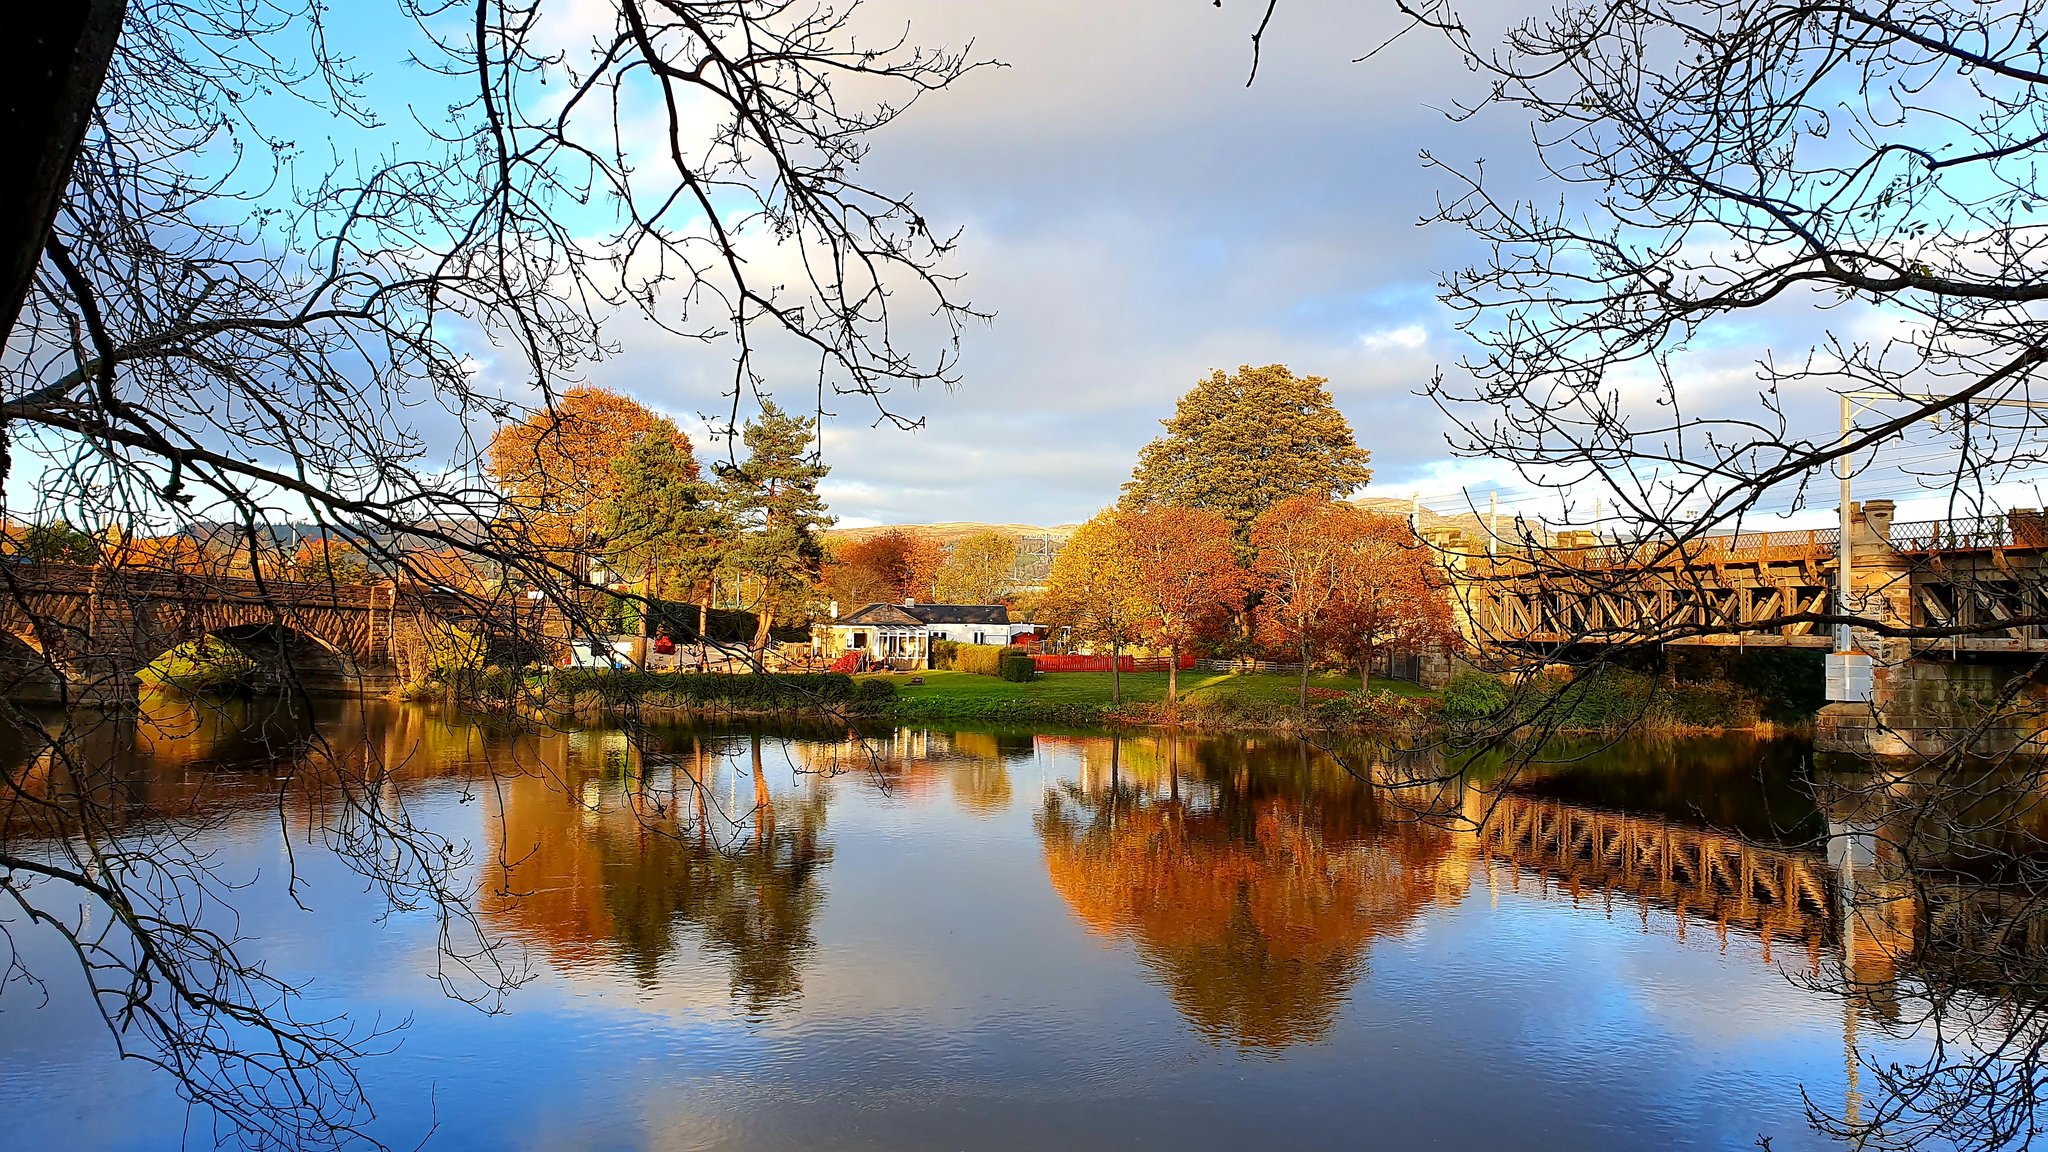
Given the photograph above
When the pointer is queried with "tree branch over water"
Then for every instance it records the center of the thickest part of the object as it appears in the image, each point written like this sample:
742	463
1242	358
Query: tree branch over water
220	320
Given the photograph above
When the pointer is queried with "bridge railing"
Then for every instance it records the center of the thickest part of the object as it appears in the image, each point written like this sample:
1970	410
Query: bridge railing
1799	543
1965	532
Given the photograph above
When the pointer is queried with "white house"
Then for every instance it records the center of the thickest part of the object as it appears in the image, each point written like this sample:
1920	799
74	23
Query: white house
900	635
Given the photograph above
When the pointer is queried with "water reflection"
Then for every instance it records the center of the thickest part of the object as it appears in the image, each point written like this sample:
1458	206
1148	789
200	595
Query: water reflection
1250	891
1260	883
614	852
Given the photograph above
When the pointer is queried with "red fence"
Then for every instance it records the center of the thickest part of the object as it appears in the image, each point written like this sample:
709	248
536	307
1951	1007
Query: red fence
1048	662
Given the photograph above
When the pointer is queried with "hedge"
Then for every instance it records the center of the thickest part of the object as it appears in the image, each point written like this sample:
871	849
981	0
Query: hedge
1016	664
980	659
770	693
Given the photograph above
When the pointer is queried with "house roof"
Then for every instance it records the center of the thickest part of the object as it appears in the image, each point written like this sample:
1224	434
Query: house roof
884	614
960	613
913	615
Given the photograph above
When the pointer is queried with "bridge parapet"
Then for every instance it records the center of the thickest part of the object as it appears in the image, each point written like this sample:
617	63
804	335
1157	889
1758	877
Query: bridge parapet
95	628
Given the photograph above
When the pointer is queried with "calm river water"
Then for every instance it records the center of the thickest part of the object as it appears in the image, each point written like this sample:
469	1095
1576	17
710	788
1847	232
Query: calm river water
1005	940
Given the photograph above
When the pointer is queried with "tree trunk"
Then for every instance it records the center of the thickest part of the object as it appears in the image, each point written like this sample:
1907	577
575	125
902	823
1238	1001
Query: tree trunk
53	63
703	623
762	801
1173	677
1116	673
1365	671
761	626
1304	679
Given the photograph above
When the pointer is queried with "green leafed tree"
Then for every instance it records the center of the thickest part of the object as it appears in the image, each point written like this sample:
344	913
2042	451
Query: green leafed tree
664	520
1238	444
774	497
978	570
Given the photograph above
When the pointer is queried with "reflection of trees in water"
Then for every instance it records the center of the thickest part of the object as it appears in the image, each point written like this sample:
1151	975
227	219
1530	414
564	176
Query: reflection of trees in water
622	860
1249	886
110	832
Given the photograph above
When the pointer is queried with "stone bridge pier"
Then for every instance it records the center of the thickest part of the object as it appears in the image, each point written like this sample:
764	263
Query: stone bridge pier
1979	692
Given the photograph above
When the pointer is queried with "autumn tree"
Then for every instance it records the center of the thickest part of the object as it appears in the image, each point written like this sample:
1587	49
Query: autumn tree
556	467
773	495
1238	444
322	560
1093	590
1303	548
177	552
977	571
1185	575
894	564
1391	596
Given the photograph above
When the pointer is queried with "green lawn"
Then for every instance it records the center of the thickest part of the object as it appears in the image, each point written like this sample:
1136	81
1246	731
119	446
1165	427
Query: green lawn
1092	688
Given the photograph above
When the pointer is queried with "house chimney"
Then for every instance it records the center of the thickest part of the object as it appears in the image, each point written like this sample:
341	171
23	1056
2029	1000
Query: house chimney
910	601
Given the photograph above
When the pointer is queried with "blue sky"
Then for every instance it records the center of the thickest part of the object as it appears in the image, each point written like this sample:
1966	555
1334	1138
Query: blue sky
1135	217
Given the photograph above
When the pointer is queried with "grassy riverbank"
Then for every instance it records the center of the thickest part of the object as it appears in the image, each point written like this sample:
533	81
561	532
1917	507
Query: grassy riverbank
1612	701
1248	700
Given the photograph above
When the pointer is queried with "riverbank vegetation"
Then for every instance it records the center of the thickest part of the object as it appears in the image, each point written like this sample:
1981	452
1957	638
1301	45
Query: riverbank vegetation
1611	701
205	666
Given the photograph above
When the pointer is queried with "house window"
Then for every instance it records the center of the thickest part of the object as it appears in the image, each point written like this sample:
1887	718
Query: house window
860	640
981	637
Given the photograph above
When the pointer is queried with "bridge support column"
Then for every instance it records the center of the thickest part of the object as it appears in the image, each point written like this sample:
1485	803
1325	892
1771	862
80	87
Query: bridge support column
1921	704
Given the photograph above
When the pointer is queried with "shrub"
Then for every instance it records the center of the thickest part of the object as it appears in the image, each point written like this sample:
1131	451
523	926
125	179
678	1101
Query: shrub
204	665
980	659
1375	709
944	653
1016	664
1473	696
874	693
454	652
712	690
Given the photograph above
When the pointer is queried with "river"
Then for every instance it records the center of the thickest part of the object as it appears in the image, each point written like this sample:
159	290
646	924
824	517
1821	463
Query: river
944	940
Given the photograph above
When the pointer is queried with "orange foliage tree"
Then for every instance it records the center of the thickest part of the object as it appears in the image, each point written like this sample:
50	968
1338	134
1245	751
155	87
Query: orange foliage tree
176	553
555	468
1302	548
1343	583
326	561
1185	575
892	565
1390	596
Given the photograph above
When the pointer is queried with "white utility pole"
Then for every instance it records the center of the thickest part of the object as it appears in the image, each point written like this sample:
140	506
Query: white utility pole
1844	552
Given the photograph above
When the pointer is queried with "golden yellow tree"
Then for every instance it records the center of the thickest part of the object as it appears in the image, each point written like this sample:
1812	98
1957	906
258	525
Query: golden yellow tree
1093	590
977	571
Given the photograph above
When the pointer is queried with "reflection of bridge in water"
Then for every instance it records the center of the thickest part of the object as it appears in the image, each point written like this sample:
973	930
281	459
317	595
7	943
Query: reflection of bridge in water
1774	893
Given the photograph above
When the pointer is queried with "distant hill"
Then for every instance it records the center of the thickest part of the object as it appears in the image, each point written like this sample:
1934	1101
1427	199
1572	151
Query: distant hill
952	533
1036	546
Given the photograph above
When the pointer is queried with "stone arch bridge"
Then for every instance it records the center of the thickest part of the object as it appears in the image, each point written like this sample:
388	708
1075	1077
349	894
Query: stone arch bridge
76	634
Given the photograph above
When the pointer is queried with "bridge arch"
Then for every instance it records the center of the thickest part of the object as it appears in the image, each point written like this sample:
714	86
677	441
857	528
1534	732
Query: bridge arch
287	655
27	673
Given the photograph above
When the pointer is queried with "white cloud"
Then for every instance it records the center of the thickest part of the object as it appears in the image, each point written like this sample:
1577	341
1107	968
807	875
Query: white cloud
1407	336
